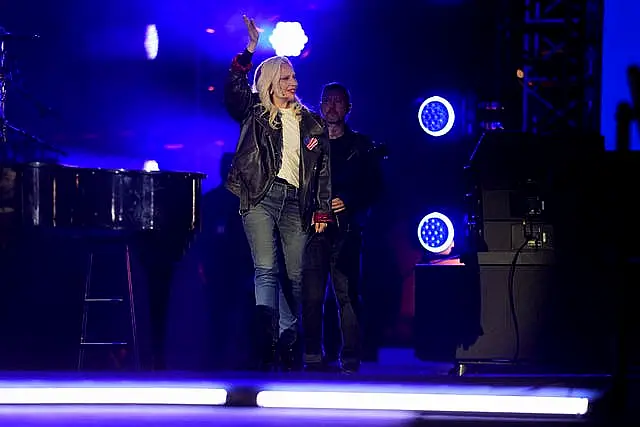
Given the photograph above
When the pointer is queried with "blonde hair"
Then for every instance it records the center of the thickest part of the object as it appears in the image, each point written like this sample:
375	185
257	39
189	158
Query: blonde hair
267	76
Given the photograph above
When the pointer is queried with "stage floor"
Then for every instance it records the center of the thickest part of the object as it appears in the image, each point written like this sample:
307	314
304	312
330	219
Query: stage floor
194	416
250	417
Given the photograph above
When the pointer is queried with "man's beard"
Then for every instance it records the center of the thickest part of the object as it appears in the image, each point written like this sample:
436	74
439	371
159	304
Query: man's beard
334	121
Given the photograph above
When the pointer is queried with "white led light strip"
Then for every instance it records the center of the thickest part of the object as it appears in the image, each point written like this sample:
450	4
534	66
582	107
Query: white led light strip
425	402
112	396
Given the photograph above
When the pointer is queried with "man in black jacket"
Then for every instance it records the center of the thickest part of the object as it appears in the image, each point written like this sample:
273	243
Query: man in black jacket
281	173
356	183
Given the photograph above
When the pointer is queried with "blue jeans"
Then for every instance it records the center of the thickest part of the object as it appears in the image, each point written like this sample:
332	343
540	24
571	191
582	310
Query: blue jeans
273	224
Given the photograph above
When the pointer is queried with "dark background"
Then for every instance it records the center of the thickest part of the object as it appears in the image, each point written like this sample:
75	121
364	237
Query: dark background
111	107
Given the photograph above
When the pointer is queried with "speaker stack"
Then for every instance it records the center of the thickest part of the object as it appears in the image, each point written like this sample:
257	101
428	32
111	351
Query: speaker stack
509	304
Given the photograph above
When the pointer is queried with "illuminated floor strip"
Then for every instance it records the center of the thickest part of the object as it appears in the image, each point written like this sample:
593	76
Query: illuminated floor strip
424	402
112	396
434	398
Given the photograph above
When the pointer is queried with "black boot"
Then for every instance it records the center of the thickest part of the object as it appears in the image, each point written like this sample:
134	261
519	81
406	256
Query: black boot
267	361
265	343
290	351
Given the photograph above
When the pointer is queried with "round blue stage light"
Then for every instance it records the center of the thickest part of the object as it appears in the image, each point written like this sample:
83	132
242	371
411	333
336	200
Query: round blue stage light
436	116
435	232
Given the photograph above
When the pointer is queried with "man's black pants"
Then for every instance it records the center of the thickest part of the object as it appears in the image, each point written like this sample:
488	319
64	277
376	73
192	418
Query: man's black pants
335	252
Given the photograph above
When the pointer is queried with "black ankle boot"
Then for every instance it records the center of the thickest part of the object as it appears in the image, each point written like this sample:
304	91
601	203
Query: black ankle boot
289	351
267	362
287	358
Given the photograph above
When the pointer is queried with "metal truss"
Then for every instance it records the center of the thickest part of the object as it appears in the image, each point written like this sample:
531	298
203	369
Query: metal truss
560	74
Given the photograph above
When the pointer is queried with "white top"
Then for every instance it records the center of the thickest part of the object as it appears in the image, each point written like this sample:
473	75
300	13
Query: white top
290	170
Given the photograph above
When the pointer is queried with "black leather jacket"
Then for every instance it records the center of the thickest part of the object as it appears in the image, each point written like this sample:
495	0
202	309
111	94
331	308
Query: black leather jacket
258	156
356	177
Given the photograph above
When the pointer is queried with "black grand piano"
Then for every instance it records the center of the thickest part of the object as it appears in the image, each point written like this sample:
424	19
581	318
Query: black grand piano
150	215
58	196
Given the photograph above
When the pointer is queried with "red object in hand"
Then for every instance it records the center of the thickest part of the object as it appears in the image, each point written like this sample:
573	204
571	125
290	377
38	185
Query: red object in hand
321	217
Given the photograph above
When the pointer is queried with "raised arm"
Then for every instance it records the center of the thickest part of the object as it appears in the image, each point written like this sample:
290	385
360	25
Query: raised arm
238	97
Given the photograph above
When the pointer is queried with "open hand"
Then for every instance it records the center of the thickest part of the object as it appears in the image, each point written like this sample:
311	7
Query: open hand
254	34
337	205
320	227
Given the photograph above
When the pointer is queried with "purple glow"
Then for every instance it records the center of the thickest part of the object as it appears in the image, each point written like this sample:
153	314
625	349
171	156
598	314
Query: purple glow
367	396
157	416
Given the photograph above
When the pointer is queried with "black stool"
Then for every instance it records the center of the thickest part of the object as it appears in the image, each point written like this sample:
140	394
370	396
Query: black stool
91	300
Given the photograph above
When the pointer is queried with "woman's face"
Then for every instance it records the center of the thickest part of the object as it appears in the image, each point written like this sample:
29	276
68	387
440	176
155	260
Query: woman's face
285	89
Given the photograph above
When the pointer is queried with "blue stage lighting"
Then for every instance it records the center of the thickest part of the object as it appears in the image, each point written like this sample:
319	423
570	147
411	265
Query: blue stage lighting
436	232
150	166
151	42
436	116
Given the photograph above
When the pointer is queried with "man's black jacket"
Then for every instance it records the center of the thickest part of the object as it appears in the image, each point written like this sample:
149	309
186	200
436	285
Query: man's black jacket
356	176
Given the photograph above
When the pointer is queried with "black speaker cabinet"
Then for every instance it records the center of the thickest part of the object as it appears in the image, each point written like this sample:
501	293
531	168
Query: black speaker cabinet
463	313
532	293
565	315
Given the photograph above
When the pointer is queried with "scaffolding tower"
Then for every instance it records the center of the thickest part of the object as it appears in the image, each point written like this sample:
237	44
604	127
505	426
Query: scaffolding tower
560	71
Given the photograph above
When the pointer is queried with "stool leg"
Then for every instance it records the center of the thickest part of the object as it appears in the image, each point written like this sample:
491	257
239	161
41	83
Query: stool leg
85	312
132	311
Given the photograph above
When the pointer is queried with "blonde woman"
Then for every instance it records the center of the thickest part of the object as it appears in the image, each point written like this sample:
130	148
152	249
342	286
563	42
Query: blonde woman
282	175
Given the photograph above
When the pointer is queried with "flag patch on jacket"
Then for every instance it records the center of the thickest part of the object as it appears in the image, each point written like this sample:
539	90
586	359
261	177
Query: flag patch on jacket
312	143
